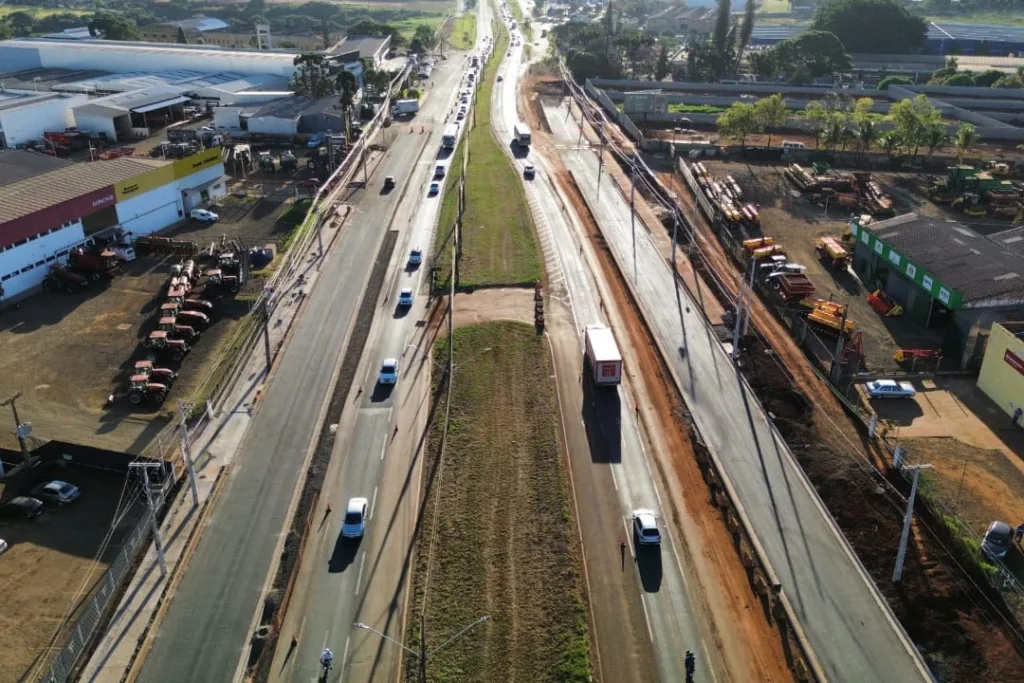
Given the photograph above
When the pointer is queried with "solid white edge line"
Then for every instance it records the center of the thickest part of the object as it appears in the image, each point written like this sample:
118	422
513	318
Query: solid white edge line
359	578
373	505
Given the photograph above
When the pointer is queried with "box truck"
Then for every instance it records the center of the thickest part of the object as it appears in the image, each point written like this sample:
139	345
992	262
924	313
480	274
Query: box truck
521	134
451	132
405	107
602	355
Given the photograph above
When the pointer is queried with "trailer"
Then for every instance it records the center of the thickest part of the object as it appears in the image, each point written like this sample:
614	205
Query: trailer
602	354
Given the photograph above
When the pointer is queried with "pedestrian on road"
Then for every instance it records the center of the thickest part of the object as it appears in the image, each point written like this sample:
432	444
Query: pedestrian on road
295	642
328	511
1017	415
1019	534
622	552
691	665
636	409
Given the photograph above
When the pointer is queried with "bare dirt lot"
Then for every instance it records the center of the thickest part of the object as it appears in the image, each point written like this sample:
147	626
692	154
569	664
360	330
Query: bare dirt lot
55	560
67	353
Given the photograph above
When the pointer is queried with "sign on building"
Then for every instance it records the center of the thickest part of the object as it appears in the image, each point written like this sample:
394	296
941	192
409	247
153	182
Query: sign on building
646	102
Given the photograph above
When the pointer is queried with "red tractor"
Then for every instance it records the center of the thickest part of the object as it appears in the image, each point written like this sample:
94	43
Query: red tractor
192	303
94	265
221	282
59	277
159	375
171	327
160	343
195	319
141	389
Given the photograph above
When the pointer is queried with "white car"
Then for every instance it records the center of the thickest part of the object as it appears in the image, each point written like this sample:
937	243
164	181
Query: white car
354	524
203	215
388	371
3	546
56	492
416	257
890	388
405	297
645	527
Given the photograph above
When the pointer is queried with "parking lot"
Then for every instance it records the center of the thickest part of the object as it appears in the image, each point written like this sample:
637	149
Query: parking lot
68	353
55	560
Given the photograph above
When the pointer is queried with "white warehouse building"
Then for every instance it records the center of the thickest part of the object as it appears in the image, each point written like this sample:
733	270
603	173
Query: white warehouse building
25	115
21	54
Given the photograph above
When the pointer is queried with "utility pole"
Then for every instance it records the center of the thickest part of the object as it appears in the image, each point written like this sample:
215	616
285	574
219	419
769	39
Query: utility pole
675	236
423	654
600	167
266	332
157	540
21	429
740	294
750	296
632	209
837	362
366	177
897	572
186	449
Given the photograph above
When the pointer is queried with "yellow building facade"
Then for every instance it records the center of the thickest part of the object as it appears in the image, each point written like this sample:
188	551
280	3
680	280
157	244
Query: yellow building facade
1002	370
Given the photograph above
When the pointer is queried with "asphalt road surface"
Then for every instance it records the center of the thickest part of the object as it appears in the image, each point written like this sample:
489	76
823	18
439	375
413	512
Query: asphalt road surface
615	446
205	633
344	580
850	628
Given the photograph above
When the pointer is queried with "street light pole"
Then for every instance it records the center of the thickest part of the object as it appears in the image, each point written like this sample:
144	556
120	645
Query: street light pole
897	572
422	654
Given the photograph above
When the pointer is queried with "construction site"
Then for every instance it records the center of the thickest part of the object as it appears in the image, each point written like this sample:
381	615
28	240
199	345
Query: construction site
810	333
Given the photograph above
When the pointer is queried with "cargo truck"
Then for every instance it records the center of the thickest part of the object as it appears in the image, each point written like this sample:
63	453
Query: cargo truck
405	107
521	135
603	355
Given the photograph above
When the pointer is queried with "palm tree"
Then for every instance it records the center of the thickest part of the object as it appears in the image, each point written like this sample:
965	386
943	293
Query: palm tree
867	134
832	135
891	143
966	137
934	139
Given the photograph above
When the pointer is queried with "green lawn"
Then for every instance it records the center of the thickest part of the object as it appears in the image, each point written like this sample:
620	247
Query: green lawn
407	27
694	109
499	242
463	35
40	12
506	544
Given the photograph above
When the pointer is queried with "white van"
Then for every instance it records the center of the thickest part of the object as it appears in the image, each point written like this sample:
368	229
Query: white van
790	144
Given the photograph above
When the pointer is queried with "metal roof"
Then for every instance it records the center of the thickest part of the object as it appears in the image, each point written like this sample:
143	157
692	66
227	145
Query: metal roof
959	257
49	189
21	164
602	341
140	100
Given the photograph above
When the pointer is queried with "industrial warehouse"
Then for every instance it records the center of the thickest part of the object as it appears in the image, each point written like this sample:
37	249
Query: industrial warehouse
48	207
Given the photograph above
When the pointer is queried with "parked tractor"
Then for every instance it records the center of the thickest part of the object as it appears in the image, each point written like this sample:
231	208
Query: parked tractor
158	375
141	390
192	303
267	164
176	330
221	282
59	277
94	265
185	270
288	162
197	320
161	344
229	263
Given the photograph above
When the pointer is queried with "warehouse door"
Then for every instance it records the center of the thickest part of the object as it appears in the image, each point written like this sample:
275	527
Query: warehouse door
101	220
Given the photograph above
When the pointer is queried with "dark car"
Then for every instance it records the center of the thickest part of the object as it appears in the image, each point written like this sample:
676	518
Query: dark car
22	507
997	539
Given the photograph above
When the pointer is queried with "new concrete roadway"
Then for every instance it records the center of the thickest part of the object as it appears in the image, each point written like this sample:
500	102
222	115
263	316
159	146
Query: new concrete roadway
377	456
205	633
852	631
615	477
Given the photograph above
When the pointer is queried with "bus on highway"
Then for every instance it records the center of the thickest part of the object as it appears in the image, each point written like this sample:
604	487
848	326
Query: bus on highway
451	131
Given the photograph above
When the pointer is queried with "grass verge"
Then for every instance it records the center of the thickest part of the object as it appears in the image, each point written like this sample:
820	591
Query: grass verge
226	353
499	242
407	27
299	218
505	546
463	35
41	12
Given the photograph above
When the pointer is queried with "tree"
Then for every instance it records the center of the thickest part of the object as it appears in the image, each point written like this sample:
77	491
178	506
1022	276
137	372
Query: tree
663	68
771	113
809	55
738	121
1009	81
182	38
22	23
961	80
867	134
912	120
254	7
817	116
934	138
112	27
832	135
312	76
964	139
872	26
422	40
5	31
986	78
347	85
894	80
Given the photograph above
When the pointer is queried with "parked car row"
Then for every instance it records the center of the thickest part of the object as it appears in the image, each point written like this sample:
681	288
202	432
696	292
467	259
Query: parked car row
53	493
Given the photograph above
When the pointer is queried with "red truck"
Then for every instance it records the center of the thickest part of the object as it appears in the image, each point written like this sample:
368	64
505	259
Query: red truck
603	355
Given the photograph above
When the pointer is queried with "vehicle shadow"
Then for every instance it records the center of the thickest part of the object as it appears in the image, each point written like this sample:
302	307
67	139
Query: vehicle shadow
400	312
648	565
602	416
519	151
345	551
381	392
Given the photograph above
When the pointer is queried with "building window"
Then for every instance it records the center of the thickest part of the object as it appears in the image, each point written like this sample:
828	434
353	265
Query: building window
26	269
7	277
39	263
50	258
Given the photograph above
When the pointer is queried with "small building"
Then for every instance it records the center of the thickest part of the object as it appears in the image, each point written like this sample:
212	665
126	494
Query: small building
1002	370
129	115
186	31
26	114
373	49
683	20
293	115
945	275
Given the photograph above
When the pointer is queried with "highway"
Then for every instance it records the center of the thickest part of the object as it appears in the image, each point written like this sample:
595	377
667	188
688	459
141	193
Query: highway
850	628
205	633
376	456
616	448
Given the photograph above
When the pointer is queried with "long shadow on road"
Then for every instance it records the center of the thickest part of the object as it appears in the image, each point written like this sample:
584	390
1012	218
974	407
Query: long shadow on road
602	416
345	551
648	565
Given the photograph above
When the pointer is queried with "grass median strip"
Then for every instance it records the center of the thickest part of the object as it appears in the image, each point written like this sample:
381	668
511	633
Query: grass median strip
506	545
499	241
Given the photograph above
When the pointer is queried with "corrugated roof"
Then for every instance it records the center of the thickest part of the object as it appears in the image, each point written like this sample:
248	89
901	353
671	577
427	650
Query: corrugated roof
21	164
49	189
958	256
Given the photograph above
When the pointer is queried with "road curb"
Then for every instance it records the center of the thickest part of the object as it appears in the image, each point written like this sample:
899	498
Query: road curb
177	574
